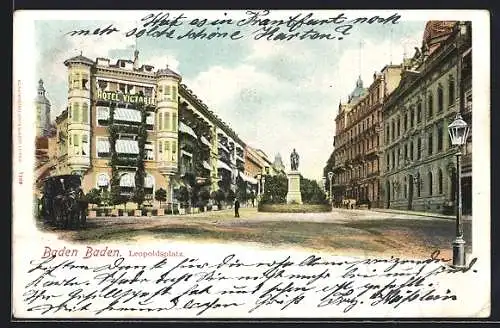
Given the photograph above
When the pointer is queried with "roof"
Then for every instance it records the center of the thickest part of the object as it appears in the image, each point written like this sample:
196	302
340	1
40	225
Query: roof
358	91
167	72
79	59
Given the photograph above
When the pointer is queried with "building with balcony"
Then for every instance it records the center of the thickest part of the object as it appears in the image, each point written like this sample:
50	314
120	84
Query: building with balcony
355	159
123	118
418	165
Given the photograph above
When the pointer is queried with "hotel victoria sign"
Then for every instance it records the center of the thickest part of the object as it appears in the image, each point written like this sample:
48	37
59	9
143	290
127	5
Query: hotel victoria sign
122	97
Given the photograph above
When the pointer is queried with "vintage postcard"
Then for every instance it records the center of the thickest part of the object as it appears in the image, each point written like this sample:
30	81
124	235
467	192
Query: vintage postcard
251	164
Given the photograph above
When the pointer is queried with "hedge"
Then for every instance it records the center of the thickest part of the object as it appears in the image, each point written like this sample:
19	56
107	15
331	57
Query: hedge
294	208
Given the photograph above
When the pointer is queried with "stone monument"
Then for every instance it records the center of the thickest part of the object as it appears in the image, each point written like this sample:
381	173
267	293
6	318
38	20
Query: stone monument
294	195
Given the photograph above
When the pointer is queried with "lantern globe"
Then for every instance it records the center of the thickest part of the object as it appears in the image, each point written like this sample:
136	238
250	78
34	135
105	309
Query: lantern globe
458	131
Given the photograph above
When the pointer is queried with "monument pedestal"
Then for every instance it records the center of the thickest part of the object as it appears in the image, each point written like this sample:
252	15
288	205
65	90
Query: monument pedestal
293	195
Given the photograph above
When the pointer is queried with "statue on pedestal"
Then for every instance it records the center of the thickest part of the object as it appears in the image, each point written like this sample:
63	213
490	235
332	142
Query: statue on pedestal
294	160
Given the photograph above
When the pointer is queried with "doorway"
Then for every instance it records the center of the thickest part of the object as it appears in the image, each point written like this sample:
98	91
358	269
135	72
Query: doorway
388	194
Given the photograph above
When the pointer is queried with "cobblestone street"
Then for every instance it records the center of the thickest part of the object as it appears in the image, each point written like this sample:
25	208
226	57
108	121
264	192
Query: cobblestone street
342	232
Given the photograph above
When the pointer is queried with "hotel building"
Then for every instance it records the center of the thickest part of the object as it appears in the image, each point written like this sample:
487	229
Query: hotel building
122	116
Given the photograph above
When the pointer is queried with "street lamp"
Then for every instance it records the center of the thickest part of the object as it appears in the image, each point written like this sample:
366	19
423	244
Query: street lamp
458	131
330	177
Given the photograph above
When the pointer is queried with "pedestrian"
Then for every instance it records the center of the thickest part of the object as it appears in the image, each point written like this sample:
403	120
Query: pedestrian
236	208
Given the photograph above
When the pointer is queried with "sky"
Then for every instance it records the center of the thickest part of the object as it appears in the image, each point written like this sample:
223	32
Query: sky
276	95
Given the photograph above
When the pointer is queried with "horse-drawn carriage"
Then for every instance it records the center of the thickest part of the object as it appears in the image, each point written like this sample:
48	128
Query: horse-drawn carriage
63	203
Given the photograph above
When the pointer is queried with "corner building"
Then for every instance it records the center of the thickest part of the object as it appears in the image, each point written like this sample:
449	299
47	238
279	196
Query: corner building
355	162
185	143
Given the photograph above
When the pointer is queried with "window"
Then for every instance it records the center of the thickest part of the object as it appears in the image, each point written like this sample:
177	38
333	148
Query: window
405	122
440	99
174	93
440	138
419	148
405	152
393	159
430	109
149	152
398	128
85	113
85	81
451	91
419	112
76	144
166	90
85	145
387	162
430	143
419	186
412	118
167	149
160	121
387	134
76	112
174	122
440	181
174	151
160	149
392	130
167	121
75	81
411	151
429	178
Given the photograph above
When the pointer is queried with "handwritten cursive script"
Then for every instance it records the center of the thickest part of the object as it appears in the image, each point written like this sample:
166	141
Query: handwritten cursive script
197	287
256	24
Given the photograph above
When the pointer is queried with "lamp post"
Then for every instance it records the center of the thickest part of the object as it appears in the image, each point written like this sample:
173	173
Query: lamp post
330	177
458	131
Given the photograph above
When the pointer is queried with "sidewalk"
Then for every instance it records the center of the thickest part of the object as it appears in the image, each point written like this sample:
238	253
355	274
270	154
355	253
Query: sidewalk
428	214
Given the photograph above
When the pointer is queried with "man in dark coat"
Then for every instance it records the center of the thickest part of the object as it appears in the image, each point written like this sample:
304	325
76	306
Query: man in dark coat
236	208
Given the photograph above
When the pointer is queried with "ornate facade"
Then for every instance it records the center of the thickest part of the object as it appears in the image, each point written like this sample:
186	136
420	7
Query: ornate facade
418	167
355	161
123	110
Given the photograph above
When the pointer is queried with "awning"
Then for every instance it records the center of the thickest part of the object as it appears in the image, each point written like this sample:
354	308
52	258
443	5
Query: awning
186	129
149	181
102	113
127	146
248	179
222	165
102	180
129	115
127	180
206	165
102	146
223	147
183	152
205	141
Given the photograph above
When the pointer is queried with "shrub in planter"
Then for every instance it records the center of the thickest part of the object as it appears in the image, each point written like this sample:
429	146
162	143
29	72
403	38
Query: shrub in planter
209	207
154	212
120	212
144	212
130	212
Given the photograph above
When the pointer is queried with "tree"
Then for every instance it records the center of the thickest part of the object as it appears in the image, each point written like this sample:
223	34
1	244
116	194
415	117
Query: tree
311	192
219	197
230	196
138	196
204	196
183	196
275	189
161	195
93	196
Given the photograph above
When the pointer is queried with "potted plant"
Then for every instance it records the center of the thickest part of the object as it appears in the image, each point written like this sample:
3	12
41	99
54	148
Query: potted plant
161	196
93	197
204	197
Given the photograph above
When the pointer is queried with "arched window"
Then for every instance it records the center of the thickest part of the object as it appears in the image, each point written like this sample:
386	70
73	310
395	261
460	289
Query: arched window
429	178
440	181
440	99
